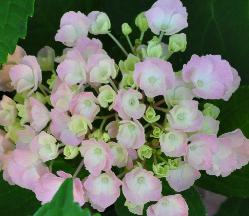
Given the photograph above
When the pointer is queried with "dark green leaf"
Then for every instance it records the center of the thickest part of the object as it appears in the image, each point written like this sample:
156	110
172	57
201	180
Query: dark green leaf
62	204
13	24
16	201
234	207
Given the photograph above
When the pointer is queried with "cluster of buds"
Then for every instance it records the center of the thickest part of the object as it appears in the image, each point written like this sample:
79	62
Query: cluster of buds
132	124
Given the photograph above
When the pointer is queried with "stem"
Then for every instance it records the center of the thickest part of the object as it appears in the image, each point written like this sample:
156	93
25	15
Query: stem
113	85
147	125
117	42
105	117
161	109
159	103
78	168
45	88
102	124
130	44
51	165
43	91
161	35
141	37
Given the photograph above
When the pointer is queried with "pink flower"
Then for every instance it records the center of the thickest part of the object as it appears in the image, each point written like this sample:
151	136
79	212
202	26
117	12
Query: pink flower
24	137
72	26
232	153
61	96
140	186
127	104
182	177
101	68
5	146
185	116
38	114
49	184
119	153
97	156
15	58
131	134
174	143
210	125
88	47
85	104
24	168
172	205
72	69
200	151
211	77
102	190
112	128
100	23
8	111
154	76
59	128
168	16
26	75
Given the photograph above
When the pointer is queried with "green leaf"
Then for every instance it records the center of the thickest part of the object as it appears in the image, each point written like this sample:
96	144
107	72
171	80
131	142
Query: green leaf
234	114
234	207
13	24
62	204
16	200
195	205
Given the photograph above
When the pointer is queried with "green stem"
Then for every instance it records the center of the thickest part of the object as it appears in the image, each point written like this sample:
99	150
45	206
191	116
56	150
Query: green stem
130	44
161	109
118	43
102	124
141	37
78	168
42	90
161	35
105	117
113	85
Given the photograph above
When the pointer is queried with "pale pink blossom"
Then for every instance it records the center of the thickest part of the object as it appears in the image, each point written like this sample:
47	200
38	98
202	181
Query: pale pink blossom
102	190
119	153
23	168
185	116
210	125
140	186
59	128
73	25
72	69
174	143
15	58
211	77
8	111
131	134
127	104
24	137
182	177
85	104
5	146
168	16
172	205
200	151
154	76
26	75
88	47
101	68
61	96
112	128
99	23
97	156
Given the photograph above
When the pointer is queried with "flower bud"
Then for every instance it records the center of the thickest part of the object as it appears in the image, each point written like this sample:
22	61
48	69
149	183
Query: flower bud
8	111
45	58
134	208
144	152
120	154
154	48
150	115
106	96
51	81
97	134
105	137
141	22
78	125
100	23
156	133
70	152
177	43
160	170
128	65
211	110
126	29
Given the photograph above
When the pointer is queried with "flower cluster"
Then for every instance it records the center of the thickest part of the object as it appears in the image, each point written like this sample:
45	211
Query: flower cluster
131	124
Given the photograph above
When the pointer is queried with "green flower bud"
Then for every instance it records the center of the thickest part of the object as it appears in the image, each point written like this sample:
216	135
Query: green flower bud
141	22
40	97
150	115
211	110
97	134
105	137
154	48
144	152
156	133
160	170
127	81
45	58
134	208
128	65
177	42
51	81
126	29
173	163
79	125
106	96
19	98
22	113
70	152
12	131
